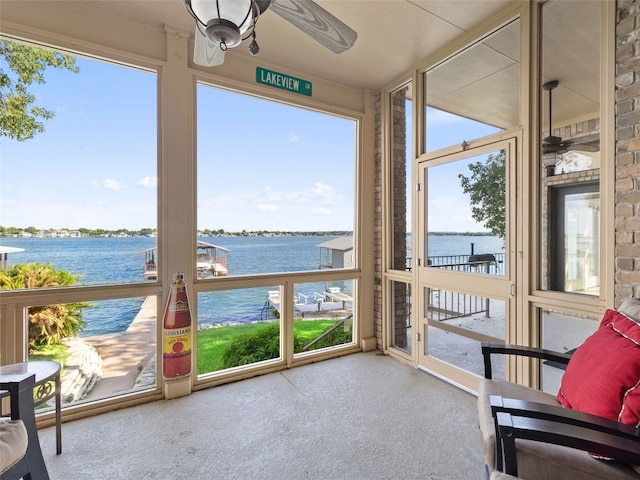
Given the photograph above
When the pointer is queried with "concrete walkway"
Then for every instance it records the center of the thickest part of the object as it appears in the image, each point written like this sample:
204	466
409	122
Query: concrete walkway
124	354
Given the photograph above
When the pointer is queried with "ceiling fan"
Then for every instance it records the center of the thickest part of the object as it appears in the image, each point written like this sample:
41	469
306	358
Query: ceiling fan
553	144
224	24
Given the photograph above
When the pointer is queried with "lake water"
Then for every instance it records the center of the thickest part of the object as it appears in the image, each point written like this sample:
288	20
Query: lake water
119	260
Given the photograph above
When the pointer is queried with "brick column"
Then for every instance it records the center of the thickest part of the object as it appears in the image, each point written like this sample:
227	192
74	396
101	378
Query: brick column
627	196
377	243
399	212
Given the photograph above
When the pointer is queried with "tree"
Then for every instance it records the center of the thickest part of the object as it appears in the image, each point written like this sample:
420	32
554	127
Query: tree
48	324
20	118
486	189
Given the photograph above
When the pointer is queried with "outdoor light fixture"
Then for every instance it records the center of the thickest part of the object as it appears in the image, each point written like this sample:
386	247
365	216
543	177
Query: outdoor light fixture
226	22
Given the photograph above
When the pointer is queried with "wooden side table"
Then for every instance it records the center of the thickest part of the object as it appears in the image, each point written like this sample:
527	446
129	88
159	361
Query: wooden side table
47	385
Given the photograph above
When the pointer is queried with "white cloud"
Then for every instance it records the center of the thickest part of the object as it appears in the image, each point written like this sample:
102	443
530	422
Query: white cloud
263	207
111	184
148	182
318	193
322	211
321	189
293	137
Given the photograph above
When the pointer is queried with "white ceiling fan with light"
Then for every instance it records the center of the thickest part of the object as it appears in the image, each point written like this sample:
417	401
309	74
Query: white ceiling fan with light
224	24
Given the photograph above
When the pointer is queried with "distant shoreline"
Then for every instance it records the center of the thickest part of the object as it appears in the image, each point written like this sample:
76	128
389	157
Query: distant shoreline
68	233
123	233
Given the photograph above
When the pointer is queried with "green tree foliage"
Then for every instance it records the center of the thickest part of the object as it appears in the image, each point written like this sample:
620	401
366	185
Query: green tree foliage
486	189
20	66
48	324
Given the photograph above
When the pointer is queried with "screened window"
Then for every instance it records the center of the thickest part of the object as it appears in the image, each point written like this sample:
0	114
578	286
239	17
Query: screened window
82	194
570	150
275	183
401	179
476	92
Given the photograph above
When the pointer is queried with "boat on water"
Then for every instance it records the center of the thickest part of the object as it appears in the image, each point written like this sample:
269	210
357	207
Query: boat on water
211	261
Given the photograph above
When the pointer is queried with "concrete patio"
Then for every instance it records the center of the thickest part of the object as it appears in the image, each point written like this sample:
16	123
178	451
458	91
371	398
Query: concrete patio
359	416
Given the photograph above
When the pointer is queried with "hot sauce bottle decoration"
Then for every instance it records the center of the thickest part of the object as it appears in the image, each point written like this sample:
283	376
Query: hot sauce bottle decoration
177	331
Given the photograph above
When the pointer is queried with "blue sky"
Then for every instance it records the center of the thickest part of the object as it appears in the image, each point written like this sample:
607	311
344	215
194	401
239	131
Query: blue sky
261	165
95	164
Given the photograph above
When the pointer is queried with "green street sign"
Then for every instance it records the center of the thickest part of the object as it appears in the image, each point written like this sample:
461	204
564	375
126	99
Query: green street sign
282	81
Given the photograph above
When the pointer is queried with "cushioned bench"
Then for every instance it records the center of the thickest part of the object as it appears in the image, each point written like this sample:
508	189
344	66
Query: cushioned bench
602	378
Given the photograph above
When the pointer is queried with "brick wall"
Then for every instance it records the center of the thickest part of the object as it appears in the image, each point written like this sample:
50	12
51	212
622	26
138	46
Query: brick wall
627	127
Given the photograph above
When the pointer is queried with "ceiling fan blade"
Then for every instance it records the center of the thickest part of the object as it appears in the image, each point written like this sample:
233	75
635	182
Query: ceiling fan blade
205	52
586	143
585	147
316	22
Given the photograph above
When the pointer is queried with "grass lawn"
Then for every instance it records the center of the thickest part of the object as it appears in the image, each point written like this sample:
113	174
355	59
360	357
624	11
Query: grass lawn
212	342
57	353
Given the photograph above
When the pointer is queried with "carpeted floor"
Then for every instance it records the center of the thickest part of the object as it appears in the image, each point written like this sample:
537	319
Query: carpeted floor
363	416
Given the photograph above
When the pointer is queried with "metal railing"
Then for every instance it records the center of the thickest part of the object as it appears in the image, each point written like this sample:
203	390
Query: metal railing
446	305
489	263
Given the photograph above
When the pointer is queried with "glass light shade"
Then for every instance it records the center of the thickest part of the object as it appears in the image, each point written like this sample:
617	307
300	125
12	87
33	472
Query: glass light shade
237	12
551	159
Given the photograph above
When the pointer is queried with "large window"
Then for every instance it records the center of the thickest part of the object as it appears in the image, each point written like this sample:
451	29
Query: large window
82	194
79	207
269	171
276	194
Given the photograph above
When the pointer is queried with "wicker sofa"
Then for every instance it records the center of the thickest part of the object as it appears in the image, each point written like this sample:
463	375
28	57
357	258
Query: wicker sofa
600	389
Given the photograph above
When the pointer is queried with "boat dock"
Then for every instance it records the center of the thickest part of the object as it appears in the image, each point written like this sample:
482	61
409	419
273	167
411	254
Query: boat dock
331	303
125	354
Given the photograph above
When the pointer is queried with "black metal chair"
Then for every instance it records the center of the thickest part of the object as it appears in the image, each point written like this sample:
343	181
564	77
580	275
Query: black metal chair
608	439
31	466
547	456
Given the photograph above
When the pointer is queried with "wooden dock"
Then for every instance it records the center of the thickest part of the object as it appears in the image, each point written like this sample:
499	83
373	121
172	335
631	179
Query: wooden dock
325	304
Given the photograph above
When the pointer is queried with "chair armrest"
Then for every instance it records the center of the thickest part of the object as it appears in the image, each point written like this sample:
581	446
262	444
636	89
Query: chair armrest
505	349
512	427
557	413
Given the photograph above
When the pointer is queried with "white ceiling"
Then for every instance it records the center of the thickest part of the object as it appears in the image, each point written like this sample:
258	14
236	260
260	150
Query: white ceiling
395	36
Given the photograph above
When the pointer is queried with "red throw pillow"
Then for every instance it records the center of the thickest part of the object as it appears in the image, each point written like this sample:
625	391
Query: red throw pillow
603	375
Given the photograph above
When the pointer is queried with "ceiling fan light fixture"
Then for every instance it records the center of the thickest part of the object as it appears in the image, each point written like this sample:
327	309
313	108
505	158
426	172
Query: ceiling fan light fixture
224	21
223	32
550	162
254	48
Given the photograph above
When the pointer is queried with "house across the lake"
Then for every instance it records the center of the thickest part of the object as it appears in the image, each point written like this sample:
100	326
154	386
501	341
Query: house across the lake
337	253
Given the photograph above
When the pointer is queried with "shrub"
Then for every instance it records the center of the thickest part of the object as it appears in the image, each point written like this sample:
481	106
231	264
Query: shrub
48	324
264	344
258	346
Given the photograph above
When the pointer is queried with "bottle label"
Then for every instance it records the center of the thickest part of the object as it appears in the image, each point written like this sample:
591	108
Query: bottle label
177	341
